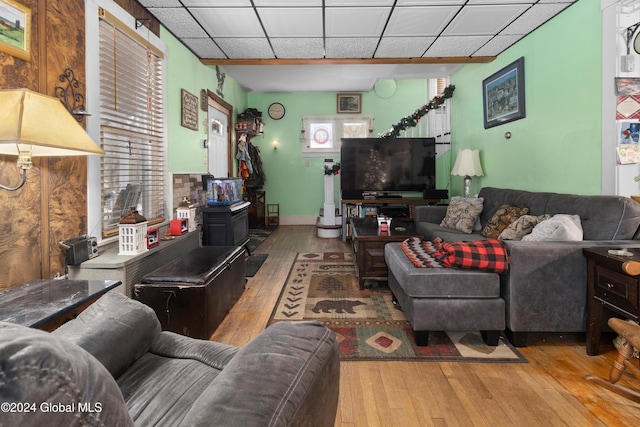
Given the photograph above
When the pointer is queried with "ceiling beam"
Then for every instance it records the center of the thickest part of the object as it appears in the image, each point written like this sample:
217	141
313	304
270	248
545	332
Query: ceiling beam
350	61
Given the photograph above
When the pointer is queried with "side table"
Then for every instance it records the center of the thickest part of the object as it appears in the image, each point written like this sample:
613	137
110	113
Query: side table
609	287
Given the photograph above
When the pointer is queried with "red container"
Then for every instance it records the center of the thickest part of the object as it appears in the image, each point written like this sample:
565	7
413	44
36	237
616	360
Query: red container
153	237
178	227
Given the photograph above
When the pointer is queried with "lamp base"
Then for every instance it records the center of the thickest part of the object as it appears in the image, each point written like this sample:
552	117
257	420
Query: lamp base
467	186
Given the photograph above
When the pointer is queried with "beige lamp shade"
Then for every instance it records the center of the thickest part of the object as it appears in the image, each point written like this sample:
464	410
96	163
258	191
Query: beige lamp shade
42	125
467	163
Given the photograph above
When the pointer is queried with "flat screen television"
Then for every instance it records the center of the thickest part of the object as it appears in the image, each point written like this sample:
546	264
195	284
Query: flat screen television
386	166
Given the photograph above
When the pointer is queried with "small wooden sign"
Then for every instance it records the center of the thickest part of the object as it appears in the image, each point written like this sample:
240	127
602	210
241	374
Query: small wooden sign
189	110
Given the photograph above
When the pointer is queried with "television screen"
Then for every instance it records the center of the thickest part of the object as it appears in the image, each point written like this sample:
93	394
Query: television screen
387	166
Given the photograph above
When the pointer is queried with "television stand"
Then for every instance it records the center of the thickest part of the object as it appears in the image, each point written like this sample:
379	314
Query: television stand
361	208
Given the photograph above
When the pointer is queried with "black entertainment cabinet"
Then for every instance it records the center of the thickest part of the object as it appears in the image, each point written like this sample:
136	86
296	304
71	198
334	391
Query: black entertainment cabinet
226	225
354	208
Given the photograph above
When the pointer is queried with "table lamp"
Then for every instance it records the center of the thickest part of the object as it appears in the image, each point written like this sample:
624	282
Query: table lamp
467	164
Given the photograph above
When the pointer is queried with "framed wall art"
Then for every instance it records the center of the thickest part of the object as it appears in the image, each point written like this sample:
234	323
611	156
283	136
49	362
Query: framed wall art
627	86
503	95
15	29
349	103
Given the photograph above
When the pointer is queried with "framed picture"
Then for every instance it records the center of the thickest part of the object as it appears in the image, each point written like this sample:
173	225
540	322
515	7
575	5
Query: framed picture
15	29
349	103
503	95
627	86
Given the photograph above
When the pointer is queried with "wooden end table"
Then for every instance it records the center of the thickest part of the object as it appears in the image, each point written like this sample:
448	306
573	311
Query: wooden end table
368	246
608	286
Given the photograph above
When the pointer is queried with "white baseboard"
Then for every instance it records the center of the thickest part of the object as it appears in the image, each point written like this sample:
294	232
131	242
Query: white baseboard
298	220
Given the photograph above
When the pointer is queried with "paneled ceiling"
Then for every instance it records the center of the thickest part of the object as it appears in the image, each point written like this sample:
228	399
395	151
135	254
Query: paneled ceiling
347	45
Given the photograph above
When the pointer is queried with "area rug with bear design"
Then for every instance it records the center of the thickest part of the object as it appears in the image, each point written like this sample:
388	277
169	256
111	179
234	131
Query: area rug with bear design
368	326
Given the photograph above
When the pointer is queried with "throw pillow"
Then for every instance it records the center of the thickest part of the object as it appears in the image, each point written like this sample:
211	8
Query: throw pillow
500	220
521	227
462	213
559	227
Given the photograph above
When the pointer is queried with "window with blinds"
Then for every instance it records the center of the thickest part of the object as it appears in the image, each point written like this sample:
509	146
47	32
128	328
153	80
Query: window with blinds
131	128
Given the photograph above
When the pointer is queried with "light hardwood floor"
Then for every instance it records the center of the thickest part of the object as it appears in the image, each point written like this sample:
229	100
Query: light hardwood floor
550	390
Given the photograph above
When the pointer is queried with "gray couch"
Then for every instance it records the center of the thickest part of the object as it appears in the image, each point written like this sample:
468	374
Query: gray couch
113	366
546	285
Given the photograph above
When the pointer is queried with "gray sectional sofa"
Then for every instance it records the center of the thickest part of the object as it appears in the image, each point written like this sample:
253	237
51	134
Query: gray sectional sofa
545	287
112	366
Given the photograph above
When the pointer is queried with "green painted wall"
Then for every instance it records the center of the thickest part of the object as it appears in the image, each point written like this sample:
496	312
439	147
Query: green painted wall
296	182
185	71
557	147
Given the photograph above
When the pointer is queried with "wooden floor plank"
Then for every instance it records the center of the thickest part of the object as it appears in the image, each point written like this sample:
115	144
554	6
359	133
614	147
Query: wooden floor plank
550	390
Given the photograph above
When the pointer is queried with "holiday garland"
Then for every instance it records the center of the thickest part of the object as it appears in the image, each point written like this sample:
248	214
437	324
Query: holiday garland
333	170
413	119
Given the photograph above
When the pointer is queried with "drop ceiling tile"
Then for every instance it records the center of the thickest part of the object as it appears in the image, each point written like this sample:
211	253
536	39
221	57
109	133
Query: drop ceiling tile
497	45
557	1
203	48
429	2
533	18
229	22
403	47
178	21
160	3
419	21
355	21
359	47
484	20
245	48
347	3
287	48
218	3
292	22
500	3
456	46
288	3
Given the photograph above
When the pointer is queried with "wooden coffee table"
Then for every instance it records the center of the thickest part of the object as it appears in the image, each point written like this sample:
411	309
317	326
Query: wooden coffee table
368	246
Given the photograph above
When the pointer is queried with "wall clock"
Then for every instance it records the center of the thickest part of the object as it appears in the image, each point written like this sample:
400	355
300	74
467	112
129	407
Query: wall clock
276	111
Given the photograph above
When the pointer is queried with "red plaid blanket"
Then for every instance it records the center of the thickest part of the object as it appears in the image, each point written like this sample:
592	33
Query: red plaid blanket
489	255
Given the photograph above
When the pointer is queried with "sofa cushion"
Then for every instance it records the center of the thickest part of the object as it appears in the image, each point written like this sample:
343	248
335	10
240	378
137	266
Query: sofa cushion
505	215
560	227
40	370
521	227
603	217
462	213
115	329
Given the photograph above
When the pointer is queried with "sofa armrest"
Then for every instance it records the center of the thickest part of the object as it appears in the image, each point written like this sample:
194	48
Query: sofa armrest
115	329
546	287
286	376
54	382
434	214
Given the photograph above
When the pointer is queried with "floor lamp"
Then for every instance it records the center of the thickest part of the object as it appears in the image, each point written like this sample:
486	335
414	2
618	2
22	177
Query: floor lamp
467	164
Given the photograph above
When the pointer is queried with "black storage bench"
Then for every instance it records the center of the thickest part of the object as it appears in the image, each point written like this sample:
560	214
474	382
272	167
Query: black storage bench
193	294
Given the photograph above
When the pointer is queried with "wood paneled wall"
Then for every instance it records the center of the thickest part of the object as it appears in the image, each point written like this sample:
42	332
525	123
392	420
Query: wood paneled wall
52	206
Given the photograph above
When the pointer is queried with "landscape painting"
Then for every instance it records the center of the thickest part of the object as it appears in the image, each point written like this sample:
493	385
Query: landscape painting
503	95
15	26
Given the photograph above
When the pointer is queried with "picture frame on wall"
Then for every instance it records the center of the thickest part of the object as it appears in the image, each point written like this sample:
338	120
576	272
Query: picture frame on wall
626	86
349	103
503	95
15	29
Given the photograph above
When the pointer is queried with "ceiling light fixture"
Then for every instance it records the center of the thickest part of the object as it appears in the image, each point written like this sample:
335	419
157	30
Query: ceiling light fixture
37	125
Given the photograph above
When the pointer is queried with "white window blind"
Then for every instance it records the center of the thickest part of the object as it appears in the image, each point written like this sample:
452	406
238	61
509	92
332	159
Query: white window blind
131	128
321	134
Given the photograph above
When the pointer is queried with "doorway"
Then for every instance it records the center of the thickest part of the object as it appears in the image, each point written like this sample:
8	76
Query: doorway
220	155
